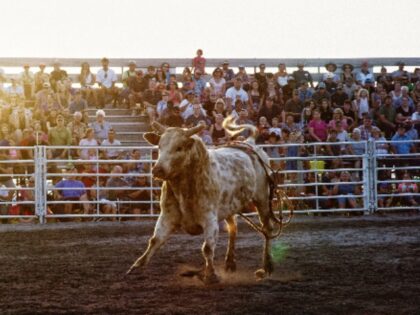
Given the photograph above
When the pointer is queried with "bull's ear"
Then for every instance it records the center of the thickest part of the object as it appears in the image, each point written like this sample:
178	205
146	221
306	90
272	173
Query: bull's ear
152	138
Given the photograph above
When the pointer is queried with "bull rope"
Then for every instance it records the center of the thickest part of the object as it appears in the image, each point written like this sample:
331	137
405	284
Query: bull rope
275	191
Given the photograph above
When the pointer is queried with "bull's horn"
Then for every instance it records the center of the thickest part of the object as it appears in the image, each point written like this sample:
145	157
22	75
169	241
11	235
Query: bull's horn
194	130
158	127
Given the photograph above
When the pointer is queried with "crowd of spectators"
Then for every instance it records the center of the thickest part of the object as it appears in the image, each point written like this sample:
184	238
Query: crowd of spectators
346	105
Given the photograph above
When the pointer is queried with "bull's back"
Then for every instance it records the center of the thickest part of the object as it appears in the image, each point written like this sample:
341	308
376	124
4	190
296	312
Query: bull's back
235	176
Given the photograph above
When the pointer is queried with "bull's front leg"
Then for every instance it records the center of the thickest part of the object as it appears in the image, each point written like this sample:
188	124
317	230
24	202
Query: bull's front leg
165	225
211	233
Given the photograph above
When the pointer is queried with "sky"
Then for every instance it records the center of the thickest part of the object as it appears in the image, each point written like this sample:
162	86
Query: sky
222	28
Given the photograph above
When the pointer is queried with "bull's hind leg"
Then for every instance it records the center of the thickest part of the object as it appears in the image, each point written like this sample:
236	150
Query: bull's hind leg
267	227
230	264
163	229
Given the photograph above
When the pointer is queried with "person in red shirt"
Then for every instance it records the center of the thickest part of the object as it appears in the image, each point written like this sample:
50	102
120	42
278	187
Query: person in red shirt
199	62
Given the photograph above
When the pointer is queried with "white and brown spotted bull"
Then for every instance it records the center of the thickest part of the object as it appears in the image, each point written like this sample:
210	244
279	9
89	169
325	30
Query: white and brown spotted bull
205	186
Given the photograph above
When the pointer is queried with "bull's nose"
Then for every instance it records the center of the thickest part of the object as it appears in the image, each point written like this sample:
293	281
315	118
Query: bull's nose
157	171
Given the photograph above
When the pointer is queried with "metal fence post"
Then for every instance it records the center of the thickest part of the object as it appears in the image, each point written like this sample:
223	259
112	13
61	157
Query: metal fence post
372	176
40	187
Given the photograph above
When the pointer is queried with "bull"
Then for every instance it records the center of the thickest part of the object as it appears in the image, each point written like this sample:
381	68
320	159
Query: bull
202	187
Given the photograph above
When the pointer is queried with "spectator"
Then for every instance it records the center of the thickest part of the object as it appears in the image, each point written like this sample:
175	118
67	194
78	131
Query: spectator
28	82
89	140
404	111
129	73
385	79
401	143
281	75
219	108
71	189
269	110
302	75
150	99
415	118
381	148
408	188
415	94
199	62
6	181
255	98
171	117
339	97
321	93
326	110
112	153
401	75
166	73
243	76
415	77
41	77
273	151
79	105
361	103
136	85
195	117
59	136
218	83
364	74
366	127
217	132
396	94
304	92
106	79
331	68
236	92
175	96
387	115
100	126
199	83
87	81
57	75
21	118
77	127
261	78
162	105
150	74
14	89
228	74
348	190
204	134
317	127
338	117
349	88
140	196
347	72
294	107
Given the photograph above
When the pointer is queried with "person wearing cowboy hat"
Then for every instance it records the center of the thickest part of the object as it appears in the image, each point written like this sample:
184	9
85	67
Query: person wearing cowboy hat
331	68
301	74
41	77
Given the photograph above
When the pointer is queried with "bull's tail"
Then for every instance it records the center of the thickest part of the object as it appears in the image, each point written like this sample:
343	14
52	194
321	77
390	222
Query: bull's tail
233	129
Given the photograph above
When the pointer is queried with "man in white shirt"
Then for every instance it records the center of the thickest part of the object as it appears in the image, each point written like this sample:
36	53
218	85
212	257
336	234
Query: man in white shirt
106	79
112	153
236	92
364	74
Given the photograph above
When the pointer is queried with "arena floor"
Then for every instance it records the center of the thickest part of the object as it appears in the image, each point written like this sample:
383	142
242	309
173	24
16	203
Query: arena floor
325	265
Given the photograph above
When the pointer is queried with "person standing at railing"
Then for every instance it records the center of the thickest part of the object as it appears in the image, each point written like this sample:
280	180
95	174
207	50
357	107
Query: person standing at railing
41	77
281	75
106	79
346	191
199	62
301	75
27	79
57	75
409	188
405	147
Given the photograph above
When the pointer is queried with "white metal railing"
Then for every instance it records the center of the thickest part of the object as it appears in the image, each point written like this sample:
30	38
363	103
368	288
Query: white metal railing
310	178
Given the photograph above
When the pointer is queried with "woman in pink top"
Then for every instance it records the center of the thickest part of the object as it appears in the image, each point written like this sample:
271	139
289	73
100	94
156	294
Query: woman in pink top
317	127
338	116
199	62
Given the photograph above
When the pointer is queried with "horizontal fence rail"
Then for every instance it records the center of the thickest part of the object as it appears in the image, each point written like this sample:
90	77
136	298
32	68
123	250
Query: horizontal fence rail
34	186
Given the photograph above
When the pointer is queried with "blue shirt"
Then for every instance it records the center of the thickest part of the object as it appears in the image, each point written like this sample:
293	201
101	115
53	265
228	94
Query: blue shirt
402	147
71	183
200	84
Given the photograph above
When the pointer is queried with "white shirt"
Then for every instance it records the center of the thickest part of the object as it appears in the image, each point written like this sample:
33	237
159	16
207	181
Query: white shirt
415	116
217	86
106	78
233	93
363	107
111	153
85	142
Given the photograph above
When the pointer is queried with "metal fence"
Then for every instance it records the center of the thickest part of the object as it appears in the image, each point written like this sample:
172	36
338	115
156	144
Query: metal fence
42	183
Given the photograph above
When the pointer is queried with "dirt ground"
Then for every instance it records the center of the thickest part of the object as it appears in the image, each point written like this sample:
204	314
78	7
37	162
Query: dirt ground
325	265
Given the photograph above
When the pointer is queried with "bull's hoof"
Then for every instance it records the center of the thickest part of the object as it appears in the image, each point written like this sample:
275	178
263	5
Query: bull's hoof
210	279
261	274
230	266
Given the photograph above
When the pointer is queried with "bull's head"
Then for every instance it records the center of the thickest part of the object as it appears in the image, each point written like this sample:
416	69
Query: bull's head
175	149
